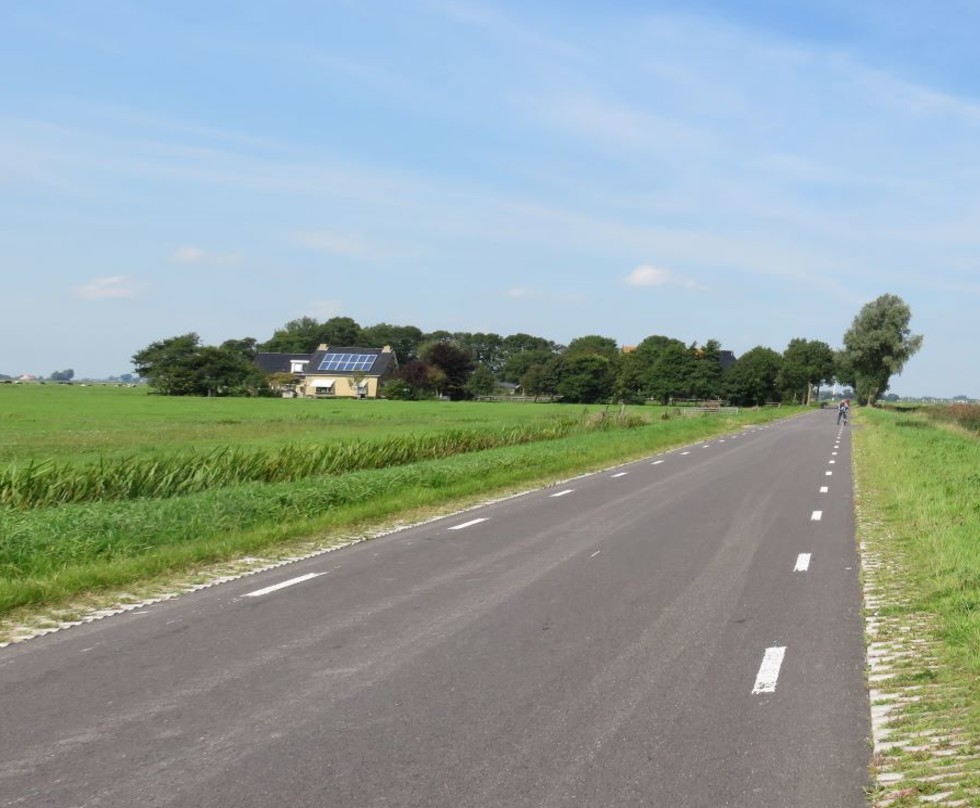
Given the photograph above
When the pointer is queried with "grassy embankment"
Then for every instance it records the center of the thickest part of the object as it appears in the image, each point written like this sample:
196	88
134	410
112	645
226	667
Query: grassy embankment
918	481
107	488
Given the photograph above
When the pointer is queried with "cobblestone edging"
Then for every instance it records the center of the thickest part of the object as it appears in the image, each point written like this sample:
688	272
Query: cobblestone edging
921	755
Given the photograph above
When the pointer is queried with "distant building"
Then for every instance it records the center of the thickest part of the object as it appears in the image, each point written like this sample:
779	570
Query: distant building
334	372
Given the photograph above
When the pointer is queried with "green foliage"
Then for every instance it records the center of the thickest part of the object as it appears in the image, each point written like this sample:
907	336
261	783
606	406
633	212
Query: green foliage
403	339
877	346
586	378
399	390
455	363
706	376
519	363
593	344
481	382
181	366
305	334
806	363
671	372
754	378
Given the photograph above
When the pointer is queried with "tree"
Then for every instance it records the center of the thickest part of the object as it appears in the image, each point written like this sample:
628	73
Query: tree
62	375
181	366
455	362
518	363
481	382
706	374
403	339
586	379
877	346
670	374
415	375
631	386
593	344
297	336
245	348
752	380
169	365
486	349
805	363
341	332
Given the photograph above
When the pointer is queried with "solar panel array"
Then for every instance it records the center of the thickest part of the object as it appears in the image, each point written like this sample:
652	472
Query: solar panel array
347	362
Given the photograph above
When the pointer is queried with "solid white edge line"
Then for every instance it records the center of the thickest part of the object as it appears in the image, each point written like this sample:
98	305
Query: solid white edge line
802	562
772	661
562	493
468	524
816	516
259	592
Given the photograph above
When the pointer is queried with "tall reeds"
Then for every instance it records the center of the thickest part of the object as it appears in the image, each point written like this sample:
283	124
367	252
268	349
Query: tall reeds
45	483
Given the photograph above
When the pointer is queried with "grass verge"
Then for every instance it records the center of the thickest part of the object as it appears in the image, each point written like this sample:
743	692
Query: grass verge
918	510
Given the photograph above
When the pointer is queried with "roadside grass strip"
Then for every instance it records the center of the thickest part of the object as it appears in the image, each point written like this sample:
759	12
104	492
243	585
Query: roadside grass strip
918	524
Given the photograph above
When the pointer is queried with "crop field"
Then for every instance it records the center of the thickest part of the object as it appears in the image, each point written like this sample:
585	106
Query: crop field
106	488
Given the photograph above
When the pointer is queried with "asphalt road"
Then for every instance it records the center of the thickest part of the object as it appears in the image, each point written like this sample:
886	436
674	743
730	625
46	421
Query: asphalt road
680	631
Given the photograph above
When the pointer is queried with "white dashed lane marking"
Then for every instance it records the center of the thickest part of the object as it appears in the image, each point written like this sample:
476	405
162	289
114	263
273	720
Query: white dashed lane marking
621	474
802	562
816	516
656	462
563	493
772	661
824	489
468	524
275	587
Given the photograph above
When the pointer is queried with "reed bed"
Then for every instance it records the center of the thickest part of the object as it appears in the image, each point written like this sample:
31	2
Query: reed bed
45	483
964	415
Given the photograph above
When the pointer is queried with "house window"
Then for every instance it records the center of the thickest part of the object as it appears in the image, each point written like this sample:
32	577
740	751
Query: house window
324	389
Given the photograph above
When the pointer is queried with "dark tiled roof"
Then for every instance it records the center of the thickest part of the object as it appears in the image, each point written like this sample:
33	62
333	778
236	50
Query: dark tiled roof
278	362
386	361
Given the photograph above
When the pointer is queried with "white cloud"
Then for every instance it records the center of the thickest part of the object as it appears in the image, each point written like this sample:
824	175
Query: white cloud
647	275
112	287
196	255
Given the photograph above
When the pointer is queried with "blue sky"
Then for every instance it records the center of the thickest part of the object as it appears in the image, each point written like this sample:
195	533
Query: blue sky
747	172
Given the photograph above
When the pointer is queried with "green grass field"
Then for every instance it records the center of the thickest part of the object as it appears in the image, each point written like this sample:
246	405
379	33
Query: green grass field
88	423
421	457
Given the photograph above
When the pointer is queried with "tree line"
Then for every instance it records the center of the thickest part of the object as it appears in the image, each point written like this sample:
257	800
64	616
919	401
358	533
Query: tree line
590	369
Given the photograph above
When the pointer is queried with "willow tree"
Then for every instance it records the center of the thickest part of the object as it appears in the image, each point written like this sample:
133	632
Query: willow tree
877	346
